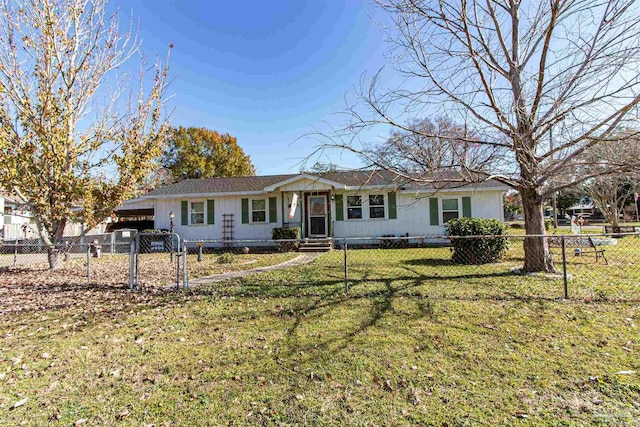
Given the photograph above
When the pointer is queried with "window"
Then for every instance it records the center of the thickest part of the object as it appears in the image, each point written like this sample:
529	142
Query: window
354	207
197	213
258	210
376	206
450	209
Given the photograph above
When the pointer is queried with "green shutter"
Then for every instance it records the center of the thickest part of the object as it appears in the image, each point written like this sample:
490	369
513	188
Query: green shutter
466	207
210	212
184	212
339	207
273	209
245	211
433	211
393	209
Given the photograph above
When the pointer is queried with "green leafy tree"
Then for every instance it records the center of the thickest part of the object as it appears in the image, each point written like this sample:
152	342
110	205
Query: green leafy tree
512	204
569	197
202	153
66	156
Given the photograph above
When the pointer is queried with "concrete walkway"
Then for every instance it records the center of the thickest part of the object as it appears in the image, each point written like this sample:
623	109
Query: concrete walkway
301	259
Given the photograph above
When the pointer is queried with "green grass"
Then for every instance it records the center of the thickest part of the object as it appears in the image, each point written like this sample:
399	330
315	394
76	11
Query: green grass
416	341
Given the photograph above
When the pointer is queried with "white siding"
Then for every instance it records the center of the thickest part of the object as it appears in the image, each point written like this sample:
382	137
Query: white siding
305	184
413	215
223	205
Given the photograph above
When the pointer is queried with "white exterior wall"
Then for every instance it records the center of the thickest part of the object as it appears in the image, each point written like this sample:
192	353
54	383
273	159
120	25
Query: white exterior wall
223	205
413	214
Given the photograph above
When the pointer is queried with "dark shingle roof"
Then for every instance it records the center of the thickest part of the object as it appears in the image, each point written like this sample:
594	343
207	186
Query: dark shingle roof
220	185
355	178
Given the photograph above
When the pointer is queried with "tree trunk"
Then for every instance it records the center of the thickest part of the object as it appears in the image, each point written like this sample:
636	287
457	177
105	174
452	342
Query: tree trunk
537	257
614	214
55	257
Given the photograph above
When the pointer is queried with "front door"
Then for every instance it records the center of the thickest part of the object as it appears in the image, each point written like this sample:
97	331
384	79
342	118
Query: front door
317	216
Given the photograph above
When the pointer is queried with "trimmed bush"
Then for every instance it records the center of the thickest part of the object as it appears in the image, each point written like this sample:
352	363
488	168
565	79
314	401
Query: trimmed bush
286	233
548	223
480	250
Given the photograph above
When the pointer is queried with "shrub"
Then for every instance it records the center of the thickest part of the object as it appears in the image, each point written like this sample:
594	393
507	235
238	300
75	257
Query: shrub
548	223
480	250
226	258
286	233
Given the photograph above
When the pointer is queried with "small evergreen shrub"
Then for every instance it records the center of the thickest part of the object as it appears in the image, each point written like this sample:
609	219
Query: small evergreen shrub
286	233
548	223
155	230
480	250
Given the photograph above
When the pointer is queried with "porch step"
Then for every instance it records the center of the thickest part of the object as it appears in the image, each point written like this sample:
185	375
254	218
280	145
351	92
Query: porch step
315	245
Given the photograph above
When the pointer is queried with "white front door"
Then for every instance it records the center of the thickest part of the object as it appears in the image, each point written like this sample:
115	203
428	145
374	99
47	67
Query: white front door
317	216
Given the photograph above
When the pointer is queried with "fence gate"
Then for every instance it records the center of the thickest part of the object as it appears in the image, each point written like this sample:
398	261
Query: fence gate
155	261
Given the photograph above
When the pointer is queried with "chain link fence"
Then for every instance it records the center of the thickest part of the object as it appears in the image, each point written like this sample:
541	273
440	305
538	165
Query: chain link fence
156	260
595	267
590	267
92	259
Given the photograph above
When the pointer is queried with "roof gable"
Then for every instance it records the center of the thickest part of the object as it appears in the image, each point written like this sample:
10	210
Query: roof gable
305	178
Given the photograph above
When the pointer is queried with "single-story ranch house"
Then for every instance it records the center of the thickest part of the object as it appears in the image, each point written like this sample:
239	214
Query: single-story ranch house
334	204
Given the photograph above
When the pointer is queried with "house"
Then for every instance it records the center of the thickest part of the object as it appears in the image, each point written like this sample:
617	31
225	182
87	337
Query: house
334	204
15	222
587	210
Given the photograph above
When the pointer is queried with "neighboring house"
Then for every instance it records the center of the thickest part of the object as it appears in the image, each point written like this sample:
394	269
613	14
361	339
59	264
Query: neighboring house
14	222
17	223
335	204
585	209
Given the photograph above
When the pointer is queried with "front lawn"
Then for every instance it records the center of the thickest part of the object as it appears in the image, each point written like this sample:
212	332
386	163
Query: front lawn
416	341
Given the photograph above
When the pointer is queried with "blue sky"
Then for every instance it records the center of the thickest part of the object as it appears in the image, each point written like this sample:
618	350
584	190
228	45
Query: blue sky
267	72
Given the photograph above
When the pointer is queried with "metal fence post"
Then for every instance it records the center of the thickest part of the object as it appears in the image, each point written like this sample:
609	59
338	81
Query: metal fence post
88	264
564	268
15	254
137	261
178	255
346	269
185	274
132	264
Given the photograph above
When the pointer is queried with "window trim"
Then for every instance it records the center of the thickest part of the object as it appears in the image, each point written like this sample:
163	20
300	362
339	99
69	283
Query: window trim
265	210
204	212
442	211
361	207
383	206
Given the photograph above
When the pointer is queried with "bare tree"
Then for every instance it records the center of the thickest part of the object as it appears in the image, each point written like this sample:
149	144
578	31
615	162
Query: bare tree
515	72
67	139
612	192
